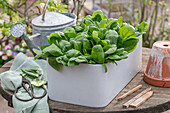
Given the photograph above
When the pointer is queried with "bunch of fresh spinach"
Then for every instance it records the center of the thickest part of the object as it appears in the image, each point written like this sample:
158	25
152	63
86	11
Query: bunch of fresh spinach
35	75
97	40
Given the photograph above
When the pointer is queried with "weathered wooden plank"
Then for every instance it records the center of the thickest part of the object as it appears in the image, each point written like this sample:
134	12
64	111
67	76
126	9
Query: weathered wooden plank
3	69
8	64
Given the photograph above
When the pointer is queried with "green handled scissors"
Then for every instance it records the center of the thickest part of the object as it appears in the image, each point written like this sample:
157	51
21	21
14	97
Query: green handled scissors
31	92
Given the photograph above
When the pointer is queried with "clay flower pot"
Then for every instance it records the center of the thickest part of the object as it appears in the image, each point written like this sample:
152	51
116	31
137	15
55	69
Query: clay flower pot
158	69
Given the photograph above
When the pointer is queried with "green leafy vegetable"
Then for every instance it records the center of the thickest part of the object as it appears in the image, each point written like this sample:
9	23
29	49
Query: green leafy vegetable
72	62
102	23
97	16
96	40
34	74
120	21
52	50
86	45
38	83
73	53
112	24
53	63
105	68
130	44
30	74
127	31
38	53
141	28
69	32
95	37
112	36
98	54
111	50
53	37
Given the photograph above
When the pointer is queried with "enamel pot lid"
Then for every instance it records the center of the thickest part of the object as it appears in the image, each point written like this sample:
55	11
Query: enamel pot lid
52	19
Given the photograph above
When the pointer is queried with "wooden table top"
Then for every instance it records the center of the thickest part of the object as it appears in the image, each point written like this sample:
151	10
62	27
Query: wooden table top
159	102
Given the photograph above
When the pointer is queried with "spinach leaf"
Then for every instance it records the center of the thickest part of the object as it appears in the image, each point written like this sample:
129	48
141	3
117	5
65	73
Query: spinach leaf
86	45
105	67
95	37
119	42
103	42
102	23
100	35
97	16
30	74
38	53
38	83
72	62
88	17
53	37
112	61
113	57
69	32
103	30
65	58
73	53
98	54
119	51
61	60
107	47
141	28
117	57
88	56
111	50
130	44
112	36
54	64
127	31
120	21
88	22
81	36
92	62
81	59
65	45
52	50
78	28
112	24
93	28
77	45
43	46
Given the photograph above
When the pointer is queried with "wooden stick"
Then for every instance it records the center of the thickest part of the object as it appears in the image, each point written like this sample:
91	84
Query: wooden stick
130	92
141	99
126	105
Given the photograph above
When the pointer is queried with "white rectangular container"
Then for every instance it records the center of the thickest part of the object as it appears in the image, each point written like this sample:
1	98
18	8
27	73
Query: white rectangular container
89	85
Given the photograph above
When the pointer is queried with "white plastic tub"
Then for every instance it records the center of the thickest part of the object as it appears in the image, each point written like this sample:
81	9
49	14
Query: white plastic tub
89	85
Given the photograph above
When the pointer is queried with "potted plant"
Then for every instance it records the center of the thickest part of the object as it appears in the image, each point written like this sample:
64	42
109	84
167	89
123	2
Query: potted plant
85	62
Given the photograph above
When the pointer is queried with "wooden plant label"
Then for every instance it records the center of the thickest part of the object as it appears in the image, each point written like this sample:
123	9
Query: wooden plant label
130	92
126	105
141	99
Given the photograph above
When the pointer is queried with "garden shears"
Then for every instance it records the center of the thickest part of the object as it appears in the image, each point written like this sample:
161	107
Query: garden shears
30	92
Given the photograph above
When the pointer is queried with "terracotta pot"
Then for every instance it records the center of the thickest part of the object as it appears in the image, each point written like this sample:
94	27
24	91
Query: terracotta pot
158	69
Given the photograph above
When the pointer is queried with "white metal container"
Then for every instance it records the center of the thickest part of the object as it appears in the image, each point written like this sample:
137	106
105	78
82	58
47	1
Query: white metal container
89	85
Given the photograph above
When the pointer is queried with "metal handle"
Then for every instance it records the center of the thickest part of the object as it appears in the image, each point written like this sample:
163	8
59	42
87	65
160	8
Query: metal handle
34	35
44	10
30	44
75	7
